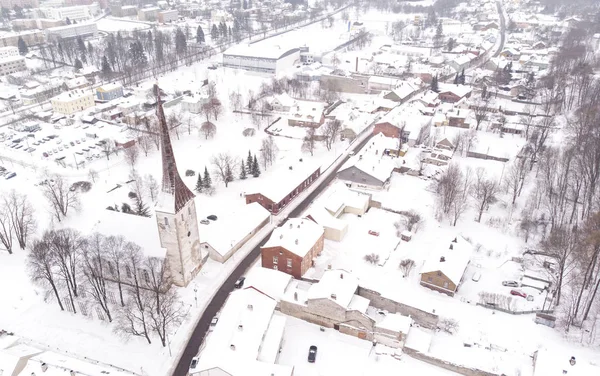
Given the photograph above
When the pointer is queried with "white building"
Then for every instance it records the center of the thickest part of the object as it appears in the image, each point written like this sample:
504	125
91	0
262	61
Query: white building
271	59
12	64
8	51
218	15
246	339
148	14
72	31
194	103
74	13
72	101
168	16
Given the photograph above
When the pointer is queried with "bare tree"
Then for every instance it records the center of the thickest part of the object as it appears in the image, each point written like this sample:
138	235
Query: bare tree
93	175
152	187
235	100
41	267
309	143
132	155
562	244
94	261
515	178
60	197
22	216
66	244
107	148
115	253
208	129
460	203
6	229
406	266
331	131
215	110
268	151
447	188
449	326
144	142
165	314
224	165
484	191
133	318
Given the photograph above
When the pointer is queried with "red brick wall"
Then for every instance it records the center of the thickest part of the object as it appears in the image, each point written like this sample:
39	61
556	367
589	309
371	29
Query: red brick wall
262	200
283	255
387	129
448	97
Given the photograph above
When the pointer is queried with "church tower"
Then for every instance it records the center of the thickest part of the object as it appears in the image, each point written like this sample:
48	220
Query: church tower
176	214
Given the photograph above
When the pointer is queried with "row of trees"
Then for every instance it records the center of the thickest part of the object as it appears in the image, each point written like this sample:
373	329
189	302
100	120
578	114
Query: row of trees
109	275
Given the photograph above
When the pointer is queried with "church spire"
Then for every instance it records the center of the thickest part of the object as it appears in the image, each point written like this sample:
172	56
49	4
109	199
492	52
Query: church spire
172	184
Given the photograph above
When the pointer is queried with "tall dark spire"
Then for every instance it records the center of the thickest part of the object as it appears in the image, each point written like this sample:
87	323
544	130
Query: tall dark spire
171	182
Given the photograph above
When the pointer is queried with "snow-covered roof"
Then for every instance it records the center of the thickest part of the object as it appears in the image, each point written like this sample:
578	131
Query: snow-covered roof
270	282
229	230
404	89
140	230
264	50
359	303
235	344
76	82
73	95
291	173
110	87
395	322
321	216
297	235
450	258
307	111
459	90
371	159
501	147
336	285
284	99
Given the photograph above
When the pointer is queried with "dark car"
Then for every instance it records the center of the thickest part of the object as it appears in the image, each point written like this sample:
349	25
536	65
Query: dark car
212	217
239	283
511	283
312	354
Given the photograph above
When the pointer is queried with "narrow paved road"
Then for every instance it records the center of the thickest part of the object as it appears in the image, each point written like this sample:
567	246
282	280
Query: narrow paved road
220	297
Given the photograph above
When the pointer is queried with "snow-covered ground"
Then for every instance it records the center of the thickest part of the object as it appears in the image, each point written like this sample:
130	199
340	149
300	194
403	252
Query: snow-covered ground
340	354
110	24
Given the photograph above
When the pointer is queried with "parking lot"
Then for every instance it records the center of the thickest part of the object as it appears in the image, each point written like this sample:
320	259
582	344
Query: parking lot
65	145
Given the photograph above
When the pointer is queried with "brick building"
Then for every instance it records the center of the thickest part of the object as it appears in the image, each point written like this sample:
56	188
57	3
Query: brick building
444	270
293	246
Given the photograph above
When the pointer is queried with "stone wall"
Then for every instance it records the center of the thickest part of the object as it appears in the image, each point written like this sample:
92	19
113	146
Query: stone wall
425	319
446	365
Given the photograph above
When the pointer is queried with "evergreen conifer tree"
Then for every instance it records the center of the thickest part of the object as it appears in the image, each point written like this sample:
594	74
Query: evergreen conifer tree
207	179
78	64
214	32
199	184
243	173
23	49
200	35
255	167
249	164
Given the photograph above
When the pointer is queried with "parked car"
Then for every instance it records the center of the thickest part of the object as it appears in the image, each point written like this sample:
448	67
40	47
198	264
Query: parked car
312	354
204	222
476	277
518	293
214	321
239	283
212	217
511	283
194	363
11	175
374	233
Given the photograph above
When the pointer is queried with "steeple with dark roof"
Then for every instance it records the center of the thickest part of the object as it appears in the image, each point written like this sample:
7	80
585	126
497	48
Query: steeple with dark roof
172	185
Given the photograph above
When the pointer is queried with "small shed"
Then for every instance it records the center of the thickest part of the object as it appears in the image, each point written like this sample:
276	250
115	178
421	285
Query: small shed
406	235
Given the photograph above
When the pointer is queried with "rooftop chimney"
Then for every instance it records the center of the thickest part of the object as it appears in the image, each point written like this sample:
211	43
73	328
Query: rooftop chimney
442	259
296	242
44	367
250	307
240	327
341	275
291	225
451	246
295	295
281	236
455	240
333	296
232	346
